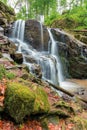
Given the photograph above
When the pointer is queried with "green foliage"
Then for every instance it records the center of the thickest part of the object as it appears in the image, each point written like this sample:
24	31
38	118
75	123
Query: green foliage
2	72
19	101
70	19
4	1
53	16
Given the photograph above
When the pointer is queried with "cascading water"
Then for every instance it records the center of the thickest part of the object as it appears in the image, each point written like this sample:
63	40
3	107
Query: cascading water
49	62
54	53
41	27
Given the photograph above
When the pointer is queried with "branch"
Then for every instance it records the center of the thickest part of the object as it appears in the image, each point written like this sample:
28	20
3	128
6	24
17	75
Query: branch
67	92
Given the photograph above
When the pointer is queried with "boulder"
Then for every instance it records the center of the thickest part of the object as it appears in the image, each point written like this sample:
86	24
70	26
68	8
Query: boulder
36	69
17	57
73	53
21	100
33	35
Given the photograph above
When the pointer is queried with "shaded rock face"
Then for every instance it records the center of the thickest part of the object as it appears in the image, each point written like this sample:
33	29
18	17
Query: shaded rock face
7	15
33	35
73	53
82	36
6	46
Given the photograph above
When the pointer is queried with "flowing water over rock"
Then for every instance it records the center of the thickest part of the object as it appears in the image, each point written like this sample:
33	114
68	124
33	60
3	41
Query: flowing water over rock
49	62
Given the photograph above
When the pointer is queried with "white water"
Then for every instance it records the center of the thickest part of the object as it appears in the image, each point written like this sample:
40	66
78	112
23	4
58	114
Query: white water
54	53
49	61
41	27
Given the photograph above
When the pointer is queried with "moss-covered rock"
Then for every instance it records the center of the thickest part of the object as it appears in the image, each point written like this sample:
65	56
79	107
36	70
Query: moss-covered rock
7	14
80	123
19	101
22	101
41	102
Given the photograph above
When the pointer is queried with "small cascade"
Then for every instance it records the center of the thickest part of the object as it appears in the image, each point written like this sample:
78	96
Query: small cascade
49	61
54	53
41	27
18	33
84	53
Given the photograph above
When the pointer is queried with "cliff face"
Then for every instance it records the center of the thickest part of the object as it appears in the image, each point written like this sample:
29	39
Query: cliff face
7	15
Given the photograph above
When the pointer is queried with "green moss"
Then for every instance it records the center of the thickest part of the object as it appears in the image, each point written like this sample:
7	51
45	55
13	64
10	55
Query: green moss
64	106
22	101
2	72
10	75
41	102
19	101
80	123
5	74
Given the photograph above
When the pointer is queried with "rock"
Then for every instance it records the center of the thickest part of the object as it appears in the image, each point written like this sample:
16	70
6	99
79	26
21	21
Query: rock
17	57
22	101
7	46
33	34
73	53
1	30
7	15
19	101
36	69
30	59
41	102
25	76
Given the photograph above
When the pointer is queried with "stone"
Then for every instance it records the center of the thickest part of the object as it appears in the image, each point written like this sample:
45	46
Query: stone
30	59
7	15
33	34
17	57
36	69
21	100
73	53
1	30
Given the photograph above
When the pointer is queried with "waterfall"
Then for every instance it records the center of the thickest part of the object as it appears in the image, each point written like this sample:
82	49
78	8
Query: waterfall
41	20
54	53
49	61
18	33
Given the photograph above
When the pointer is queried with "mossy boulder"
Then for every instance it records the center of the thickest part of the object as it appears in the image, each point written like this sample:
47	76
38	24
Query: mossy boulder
41	102
22	100
19	101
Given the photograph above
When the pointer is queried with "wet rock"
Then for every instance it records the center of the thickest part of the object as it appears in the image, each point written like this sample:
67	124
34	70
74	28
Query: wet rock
25	76
33	35
36	69
1	30
30	59
17	57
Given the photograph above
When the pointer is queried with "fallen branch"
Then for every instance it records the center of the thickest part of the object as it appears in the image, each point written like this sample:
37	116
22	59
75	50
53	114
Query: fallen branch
67	92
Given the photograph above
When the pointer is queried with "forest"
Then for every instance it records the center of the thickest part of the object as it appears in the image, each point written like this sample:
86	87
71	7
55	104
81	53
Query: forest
43	64
74	11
